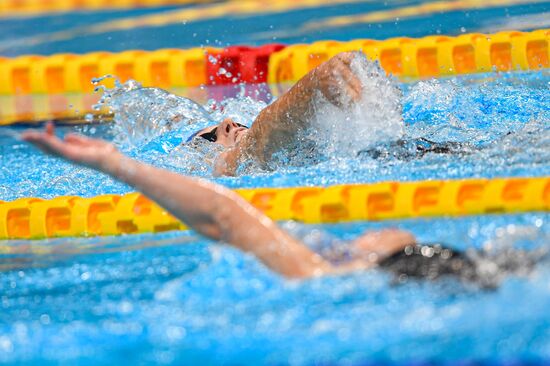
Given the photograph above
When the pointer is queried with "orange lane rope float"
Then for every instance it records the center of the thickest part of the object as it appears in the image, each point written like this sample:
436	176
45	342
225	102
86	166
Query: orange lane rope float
35	218
34	88
430	56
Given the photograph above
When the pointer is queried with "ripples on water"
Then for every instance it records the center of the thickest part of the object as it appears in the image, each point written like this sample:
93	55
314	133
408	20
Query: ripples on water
150	298
173	298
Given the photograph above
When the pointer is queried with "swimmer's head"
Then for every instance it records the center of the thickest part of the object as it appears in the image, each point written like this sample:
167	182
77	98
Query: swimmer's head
227	133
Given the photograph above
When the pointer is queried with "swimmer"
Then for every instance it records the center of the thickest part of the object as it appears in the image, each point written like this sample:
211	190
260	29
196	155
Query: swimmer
222	215
281	125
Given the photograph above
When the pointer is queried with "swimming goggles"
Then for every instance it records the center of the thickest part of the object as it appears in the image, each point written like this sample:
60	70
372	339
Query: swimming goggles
211	135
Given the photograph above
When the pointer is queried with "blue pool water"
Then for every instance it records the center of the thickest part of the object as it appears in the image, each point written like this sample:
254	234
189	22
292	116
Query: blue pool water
175	298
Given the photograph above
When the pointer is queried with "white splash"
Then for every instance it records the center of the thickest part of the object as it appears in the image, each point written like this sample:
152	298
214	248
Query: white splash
142	114
375	118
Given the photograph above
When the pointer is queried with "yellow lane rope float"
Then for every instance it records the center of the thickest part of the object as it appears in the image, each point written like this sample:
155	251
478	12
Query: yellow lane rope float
35	218
69	73
13	8
34	88
430	56
172	68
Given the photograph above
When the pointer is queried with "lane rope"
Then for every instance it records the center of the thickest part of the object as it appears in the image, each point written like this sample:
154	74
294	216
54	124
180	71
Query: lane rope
431	56
36	88
27	8
35	218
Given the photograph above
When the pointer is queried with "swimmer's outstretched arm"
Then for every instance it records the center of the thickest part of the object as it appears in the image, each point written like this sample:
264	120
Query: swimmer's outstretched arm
277	125
212	210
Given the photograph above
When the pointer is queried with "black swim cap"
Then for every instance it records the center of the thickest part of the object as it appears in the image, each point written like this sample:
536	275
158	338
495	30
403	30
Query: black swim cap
429	261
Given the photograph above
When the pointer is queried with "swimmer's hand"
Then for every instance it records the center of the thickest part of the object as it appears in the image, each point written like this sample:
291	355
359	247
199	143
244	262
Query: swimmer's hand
336	80
93	153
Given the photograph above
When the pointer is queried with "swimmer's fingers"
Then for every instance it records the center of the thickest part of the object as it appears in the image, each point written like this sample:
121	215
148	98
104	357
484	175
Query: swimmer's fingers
338	81
51	144
353	85
78	149
334	94
56	147
346	88
46	142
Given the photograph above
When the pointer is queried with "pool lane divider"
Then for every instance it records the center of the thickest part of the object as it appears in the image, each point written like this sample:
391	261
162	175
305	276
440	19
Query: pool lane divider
430	56
15	8
196	10
71	216
36	88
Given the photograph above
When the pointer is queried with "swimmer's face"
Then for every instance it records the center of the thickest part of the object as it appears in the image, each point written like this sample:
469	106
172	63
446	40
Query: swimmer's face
227	133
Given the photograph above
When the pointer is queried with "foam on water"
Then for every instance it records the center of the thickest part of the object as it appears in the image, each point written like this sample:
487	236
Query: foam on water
476	109
143	114
490	116
154	125
375	118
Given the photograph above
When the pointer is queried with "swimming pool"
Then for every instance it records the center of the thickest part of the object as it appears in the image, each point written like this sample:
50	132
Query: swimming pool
174	298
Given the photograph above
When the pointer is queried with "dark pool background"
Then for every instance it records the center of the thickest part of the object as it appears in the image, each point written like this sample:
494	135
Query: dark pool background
175	298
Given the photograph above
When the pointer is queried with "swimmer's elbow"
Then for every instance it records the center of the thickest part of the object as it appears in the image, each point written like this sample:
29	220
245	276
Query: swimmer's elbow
227	215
